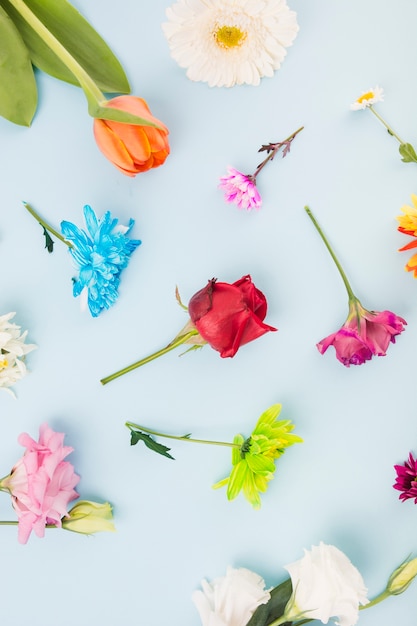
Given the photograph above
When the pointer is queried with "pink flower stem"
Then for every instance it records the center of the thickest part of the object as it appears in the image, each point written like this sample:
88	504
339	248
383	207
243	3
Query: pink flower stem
352	297
274	147
132	426
178	341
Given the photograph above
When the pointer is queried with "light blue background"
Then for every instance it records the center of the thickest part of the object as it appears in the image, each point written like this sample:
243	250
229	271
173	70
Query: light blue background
336	487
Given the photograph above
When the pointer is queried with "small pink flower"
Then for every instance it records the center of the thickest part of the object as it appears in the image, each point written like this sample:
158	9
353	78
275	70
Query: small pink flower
240	189
406	480
41	483
364	334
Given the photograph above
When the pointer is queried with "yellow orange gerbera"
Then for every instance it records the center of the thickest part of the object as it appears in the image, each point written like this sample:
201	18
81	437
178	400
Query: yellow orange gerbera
408	226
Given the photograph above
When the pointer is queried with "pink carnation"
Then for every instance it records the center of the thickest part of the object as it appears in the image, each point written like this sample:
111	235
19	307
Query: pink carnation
240	189
364	334
41	483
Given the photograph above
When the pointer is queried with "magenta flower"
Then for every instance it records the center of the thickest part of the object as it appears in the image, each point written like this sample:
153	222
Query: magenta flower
406	480
364	334
240	189
41	483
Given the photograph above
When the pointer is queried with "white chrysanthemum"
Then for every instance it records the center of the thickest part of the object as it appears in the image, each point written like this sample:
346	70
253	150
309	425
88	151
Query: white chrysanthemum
13	350
367	98
230	42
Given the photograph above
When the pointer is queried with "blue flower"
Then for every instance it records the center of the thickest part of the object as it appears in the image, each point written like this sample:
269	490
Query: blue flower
101	253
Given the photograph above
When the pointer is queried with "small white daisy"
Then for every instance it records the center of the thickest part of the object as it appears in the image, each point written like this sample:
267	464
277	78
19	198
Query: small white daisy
230	42
367	98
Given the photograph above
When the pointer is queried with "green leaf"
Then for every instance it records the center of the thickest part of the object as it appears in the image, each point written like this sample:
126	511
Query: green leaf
267	613
49	242
18	93
117	115
136	435
408	153
78	37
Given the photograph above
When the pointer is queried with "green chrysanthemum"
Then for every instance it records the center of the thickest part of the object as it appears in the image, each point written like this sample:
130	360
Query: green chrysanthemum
254	460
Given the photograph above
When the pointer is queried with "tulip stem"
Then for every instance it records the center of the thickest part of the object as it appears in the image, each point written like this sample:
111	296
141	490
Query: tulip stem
46	226
132	426
273	149
351	295
387	126
93	93
97	102
178	341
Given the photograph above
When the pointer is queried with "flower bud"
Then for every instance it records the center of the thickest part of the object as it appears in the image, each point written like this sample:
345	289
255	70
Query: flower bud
89	517
402	577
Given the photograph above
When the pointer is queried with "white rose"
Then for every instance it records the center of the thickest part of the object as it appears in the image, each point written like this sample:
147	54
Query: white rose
232	599
325	584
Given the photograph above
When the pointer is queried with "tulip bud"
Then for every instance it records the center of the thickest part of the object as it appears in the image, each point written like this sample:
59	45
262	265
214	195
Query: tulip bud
89	517
402	577
132	148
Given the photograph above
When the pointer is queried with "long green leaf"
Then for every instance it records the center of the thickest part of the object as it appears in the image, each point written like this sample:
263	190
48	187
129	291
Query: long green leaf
18	93
80	39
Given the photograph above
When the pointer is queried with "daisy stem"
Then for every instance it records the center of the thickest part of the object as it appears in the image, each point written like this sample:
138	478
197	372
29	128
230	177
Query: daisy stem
274	150
45	225
387	126
178	341
2	523
132	426
351	295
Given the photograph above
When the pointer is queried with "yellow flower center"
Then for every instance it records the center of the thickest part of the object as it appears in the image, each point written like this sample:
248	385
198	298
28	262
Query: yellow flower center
366	96
3	364
229	36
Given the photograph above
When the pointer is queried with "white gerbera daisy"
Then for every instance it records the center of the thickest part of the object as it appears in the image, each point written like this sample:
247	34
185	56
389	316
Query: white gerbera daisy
230	42
373	95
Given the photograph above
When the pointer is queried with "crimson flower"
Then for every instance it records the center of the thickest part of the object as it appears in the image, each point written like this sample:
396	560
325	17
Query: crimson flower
406	480
365	333
224	315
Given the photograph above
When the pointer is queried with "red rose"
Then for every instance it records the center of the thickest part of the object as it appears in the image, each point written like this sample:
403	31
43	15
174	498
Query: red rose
224	316
229	315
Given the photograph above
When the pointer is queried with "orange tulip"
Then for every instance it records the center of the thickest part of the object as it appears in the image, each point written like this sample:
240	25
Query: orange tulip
132	148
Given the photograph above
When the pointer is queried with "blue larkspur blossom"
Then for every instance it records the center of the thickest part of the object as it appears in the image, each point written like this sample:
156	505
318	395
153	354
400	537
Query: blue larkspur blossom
100	252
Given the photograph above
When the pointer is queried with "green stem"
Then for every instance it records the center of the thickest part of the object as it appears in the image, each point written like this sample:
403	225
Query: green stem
97	102
178	341
133	426
274	151
45	225
379	598
17	523
332	254
93	93
387	126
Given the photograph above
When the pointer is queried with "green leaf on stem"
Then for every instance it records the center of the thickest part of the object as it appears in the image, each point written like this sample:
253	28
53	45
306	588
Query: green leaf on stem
49	242
136	435
267	613
117	115
408	153
18	93
78	37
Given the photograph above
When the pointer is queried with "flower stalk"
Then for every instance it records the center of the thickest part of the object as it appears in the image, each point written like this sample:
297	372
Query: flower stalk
351	295
178	341
137	427
387	126
45	225
272	149
97	102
